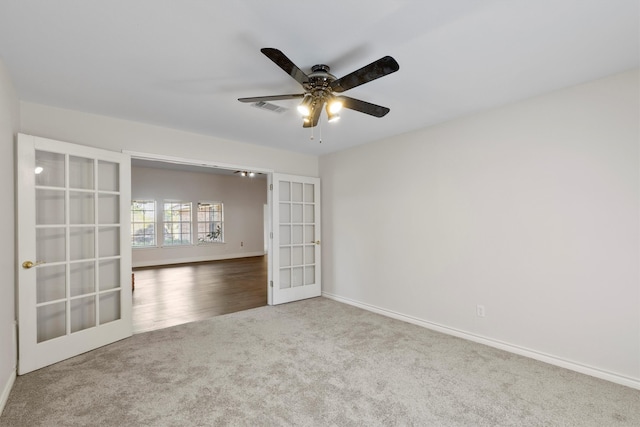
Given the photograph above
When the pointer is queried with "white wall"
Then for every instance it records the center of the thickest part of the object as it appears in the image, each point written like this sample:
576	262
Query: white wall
531	210
115	134
9	119
243	201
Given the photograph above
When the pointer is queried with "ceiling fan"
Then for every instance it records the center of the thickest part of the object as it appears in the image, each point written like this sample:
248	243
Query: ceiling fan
321	87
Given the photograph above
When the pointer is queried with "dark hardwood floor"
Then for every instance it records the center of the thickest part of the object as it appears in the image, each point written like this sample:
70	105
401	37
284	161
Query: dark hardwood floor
170	295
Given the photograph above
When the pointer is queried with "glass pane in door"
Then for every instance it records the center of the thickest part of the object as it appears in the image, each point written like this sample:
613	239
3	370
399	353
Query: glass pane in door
51	283
296	276
109	274
82	243
309	193
81	173
296	212
108	173
296	255
285	191
52	321
51	244
285	257
309	216
109	241
108	209
309	254
83	313
82	278
49	169
50	207
309	275
81	207
296	191
109	307
285	278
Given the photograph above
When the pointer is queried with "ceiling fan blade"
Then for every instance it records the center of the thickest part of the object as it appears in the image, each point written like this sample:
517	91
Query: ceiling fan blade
271	98
363	106
375	70
281	60
315	116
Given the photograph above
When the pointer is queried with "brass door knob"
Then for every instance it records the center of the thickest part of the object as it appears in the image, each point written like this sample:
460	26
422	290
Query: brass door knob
30	264
317	242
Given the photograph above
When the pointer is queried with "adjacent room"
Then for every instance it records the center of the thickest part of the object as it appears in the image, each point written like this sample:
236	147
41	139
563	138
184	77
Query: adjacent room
443	220
198	240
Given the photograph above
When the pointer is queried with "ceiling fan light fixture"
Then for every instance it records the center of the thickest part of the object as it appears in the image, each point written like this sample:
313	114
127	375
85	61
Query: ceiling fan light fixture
334	106
334	118
305	106
304	110
332	115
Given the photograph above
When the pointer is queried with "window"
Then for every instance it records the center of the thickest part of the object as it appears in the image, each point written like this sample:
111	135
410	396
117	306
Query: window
210	222
177	223
143	223
177	219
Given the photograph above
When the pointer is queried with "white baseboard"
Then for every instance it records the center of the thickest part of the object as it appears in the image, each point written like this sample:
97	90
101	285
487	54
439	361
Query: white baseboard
7	389
154	263
543	357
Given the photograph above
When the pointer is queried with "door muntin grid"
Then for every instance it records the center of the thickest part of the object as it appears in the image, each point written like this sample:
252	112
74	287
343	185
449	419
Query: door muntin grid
297	233
77	238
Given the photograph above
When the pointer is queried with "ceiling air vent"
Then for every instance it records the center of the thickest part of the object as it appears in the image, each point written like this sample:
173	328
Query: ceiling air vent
271	107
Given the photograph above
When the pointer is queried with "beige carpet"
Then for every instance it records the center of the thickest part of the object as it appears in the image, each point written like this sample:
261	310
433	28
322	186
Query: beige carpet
311	363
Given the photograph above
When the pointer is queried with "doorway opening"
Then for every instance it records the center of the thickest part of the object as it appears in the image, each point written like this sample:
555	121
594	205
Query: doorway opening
182	270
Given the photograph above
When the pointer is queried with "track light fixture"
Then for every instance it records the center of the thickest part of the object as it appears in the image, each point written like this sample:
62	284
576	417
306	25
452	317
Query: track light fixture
246	173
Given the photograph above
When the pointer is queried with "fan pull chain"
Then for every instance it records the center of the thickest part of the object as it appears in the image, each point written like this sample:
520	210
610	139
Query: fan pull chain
310	116
319	124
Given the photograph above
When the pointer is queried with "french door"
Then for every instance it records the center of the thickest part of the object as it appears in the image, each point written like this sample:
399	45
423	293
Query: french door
74	254
296	238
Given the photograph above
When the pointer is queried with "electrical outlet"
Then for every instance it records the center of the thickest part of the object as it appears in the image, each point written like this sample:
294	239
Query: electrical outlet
480	310
241	244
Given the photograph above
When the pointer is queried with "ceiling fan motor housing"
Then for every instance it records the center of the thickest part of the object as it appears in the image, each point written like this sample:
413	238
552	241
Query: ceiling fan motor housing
318	84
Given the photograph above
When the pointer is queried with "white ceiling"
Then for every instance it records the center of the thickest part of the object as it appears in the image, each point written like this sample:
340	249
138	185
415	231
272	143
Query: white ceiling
183	64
